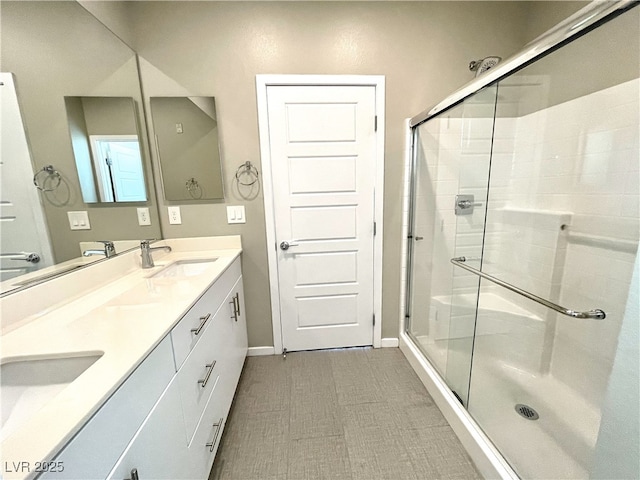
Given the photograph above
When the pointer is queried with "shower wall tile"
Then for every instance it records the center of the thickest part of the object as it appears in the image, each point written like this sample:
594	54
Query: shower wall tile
579	157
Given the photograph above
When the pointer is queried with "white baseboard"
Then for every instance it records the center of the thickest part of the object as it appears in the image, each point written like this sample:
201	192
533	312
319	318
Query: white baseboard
259	351
389	342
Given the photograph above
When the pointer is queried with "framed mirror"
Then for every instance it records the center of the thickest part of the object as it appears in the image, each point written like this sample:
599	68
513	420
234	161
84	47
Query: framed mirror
186	135
106	146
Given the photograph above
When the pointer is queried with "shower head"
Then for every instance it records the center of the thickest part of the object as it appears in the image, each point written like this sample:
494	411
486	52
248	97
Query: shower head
484	64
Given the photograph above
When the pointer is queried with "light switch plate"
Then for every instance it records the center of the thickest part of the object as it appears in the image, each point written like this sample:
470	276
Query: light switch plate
79	220
236	214
174	215
143	216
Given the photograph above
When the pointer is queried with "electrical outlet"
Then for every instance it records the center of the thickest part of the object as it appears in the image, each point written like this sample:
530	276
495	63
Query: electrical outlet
143	216
174	215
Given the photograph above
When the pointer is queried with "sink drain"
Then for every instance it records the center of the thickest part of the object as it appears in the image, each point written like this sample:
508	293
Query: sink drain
527	412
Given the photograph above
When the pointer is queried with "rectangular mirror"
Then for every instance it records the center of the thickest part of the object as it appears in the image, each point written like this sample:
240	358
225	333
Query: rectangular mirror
105	141
186	133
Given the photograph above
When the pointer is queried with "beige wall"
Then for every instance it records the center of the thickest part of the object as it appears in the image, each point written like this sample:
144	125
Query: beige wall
57	49
217	48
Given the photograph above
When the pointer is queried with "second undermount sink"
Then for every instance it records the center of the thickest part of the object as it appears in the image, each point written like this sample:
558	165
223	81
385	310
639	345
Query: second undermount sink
185	268
27	385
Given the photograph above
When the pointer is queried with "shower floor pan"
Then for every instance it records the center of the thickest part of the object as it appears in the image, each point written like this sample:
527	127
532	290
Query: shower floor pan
559	444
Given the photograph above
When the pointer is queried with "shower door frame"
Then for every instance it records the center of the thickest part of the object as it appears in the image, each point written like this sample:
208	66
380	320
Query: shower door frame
485	455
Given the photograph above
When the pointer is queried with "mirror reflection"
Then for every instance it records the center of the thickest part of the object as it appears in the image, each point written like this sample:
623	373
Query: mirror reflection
49	52
186	131
105	142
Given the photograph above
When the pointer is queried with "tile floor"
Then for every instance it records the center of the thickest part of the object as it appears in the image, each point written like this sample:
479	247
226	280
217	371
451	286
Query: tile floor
342	414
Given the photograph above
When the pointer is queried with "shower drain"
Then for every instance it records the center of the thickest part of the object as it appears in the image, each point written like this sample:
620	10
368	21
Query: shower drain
527	412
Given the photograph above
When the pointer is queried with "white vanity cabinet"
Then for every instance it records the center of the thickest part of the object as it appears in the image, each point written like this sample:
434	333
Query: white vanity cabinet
206	439
179	433
157	450
94	450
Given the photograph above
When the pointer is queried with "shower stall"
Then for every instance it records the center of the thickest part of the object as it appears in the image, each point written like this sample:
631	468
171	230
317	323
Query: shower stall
522	289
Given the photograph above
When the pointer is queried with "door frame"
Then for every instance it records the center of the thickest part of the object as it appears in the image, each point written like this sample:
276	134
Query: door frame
262	84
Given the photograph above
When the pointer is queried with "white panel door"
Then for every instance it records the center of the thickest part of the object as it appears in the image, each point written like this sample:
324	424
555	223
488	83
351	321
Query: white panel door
22	225
128	179
323	147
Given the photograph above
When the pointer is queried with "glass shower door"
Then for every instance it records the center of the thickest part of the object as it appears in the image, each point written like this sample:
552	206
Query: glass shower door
562	223
450	179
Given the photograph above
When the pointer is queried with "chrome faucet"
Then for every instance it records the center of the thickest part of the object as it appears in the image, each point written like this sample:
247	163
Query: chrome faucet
145	253
109	250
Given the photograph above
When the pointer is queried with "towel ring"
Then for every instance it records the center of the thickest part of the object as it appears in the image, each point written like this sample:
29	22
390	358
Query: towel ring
249	170
193	187
51	172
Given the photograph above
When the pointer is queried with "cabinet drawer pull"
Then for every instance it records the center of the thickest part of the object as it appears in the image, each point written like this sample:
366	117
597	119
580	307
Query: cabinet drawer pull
235	309
212	444
204	381
203	321
238	304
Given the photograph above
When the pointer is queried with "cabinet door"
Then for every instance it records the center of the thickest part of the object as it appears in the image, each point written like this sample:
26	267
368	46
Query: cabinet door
93	452
158	451
238	345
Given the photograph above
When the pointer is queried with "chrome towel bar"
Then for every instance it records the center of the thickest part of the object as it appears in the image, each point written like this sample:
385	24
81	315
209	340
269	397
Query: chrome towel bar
596	314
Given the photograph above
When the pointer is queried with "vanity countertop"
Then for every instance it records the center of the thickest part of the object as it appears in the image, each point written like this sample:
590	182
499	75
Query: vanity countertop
124	318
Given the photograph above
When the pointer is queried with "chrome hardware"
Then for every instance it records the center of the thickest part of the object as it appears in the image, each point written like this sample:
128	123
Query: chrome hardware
235	309
465	204
24	256
285	245
210	367
203	321
595	314
109	250
145	253
212	443
236	306
50	172
134	475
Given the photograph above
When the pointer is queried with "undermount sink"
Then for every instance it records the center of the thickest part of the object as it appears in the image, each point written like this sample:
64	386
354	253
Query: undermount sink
185	268
27	385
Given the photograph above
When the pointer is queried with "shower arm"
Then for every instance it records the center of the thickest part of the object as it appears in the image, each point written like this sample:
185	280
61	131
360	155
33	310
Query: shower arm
595	314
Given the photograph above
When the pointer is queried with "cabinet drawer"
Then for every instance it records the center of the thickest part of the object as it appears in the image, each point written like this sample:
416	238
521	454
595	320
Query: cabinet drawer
93	452
185	334
206	439
199	373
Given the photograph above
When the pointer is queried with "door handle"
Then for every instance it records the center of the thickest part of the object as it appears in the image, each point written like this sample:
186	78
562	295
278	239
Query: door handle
24	256
286	244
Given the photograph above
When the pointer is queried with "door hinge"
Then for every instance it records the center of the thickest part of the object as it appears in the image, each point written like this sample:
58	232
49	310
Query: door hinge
374	319
374	229
375	123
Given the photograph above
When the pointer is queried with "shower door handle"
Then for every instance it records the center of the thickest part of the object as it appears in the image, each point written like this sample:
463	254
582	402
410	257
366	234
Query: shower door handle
597	313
